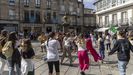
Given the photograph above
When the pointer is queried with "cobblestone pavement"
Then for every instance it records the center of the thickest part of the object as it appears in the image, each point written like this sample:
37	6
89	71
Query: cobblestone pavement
96	68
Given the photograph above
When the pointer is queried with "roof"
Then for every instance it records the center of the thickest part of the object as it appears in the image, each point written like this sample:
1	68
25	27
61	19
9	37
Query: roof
90	15
96	2
88	9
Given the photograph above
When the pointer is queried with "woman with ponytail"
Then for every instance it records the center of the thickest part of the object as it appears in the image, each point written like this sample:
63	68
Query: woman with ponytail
52	47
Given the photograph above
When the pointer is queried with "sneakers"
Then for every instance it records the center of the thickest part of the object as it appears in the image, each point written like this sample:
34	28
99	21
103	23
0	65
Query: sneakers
82	73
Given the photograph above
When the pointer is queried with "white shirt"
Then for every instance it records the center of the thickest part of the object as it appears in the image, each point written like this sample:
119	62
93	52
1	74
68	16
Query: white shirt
81	47
52	50
67	41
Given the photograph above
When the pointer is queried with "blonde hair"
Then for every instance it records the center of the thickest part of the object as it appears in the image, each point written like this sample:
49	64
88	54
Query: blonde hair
81	39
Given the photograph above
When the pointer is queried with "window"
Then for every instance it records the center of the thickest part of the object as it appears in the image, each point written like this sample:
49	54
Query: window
55	20
26	16
38	3
62	8
78	11
101	5
32	16
100	21
124	1
119	1
114	19
71	7
54	15
11	2
106	20
48	4
124	17
108	3
104	4
26	2
48	17
38	20
113	2
12	14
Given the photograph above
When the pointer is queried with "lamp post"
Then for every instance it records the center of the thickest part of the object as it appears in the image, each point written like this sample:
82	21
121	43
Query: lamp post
43	26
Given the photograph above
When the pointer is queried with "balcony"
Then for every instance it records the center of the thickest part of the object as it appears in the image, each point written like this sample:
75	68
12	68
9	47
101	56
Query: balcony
114	22
124	21
131	21
101	24
62	12
73	23
38	5
26	4
11	3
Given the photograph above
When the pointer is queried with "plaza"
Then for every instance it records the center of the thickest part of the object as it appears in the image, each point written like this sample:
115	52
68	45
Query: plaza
96	68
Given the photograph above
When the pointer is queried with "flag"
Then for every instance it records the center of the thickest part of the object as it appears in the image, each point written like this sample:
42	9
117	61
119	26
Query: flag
113	30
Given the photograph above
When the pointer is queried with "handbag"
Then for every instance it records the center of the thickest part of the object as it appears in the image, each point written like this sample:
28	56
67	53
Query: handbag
7	50
24	66
27	66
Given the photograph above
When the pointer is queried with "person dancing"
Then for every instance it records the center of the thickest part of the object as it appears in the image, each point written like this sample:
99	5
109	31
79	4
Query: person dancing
82	54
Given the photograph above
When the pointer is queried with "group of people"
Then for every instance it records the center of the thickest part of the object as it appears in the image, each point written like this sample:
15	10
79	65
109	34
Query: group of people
84	43
12	51
67	44
21	51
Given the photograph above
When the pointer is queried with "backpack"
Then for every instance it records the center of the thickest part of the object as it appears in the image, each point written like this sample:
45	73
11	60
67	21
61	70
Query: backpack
7	50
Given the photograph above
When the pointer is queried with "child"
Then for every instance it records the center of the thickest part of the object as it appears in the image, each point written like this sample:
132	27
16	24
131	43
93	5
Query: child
27	54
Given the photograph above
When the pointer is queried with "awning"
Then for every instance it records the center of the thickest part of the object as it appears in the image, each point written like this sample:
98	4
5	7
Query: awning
101	29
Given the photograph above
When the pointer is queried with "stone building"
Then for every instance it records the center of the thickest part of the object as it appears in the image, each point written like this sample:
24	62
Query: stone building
40	15
114	12
89	19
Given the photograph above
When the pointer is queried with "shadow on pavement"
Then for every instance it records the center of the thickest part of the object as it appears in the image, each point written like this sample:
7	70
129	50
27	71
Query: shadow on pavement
95	74
94	64
111	62
6	72
90	74
73	65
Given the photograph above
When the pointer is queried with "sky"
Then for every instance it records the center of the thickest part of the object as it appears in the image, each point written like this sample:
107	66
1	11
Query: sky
89	3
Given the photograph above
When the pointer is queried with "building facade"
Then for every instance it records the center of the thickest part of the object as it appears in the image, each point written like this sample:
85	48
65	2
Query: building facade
9	15
89	19
40	15
114	12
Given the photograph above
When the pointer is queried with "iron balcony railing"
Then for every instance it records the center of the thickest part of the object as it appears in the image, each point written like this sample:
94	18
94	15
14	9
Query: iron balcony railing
114	22
131	21
123	21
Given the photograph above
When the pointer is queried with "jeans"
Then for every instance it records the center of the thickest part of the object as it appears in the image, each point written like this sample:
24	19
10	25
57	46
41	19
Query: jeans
108	47
11	66
2	65
122	67
102	53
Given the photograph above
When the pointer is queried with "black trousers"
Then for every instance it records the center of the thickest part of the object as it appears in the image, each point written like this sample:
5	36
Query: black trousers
53	63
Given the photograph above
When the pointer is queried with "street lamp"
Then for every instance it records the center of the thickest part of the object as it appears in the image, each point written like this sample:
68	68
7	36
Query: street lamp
43	26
